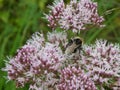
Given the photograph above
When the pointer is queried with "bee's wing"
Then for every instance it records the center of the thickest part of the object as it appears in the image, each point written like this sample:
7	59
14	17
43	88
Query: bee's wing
70	48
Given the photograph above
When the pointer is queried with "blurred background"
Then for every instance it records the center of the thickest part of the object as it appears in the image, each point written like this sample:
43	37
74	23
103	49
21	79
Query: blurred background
19	19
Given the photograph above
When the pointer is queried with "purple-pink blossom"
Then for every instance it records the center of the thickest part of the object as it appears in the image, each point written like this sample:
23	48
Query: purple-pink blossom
36	63
20	64
73	78
101	61
75	15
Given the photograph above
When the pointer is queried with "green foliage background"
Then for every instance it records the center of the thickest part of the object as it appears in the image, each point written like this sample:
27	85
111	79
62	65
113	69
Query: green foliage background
19	19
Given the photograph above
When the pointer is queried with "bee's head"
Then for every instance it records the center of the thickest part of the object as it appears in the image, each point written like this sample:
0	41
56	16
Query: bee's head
78	41
73	45
75	41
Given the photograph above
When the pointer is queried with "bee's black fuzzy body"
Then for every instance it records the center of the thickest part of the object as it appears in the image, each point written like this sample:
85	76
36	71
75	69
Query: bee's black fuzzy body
74	45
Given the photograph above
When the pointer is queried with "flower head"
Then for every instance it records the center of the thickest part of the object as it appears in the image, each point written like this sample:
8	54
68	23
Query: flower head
73	78
20	64
36	63
55	13
45	66
101	61
75	15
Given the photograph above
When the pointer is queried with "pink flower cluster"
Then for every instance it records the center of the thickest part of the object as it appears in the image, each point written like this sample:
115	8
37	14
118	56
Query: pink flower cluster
20	64
43	64
101	61
73	78
36	63
56	13
75	15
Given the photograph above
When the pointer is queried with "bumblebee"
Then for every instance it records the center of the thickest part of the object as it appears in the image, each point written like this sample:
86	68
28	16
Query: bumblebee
74	45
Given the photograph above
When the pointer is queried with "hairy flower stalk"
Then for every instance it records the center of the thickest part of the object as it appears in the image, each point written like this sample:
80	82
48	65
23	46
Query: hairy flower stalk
75	15
101	61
